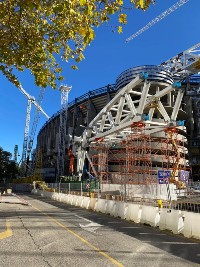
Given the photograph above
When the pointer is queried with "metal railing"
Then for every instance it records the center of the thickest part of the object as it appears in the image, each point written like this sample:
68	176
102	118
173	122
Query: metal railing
72	188
189	203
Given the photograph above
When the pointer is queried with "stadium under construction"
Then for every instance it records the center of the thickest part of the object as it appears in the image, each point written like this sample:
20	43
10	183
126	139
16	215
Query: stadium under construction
144	129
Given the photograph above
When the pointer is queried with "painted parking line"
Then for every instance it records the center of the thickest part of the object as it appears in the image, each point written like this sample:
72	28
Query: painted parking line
82	239
8	231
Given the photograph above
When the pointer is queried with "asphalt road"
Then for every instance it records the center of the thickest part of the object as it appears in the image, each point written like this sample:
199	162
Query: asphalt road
50	233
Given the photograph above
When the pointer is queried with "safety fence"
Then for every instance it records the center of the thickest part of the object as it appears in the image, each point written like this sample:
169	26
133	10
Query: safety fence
93	190
75	187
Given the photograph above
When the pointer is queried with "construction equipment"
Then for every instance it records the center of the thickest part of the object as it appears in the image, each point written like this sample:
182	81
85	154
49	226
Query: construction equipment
15	153
62	130
31	100
35	123
157	19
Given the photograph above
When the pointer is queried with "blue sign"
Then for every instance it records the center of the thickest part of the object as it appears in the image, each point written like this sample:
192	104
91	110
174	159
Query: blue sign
163	176
184	176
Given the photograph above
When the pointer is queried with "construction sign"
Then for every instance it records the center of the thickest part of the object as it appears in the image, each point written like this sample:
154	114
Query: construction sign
163	176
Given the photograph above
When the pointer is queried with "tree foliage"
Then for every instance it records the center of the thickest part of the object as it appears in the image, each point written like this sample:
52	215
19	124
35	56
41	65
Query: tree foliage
8	168
32	32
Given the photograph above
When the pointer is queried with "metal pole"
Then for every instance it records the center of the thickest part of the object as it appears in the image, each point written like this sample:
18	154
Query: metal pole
125	192
81	188
98	189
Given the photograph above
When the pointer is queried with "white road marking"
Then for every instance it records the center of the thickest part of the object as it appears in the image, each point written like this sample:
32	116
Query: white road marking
130	227
150	234
180	243
91	226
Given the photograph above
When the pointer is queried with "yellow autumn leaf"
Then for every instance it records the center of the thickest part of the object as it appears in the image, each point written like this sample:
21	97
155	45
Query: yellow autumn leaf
122	18
119	29
82	2
65	27
119	2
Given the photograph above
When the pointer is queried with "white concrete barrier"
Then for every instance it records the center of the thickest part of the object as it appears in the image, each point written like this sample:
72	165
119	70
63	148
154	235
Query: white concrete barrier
101	205
45	193
85	202
111	207
150	215
61	196
79	201
171	220
50	194
93	203
177	221
71	199
121	209
65	198
134	212
55	196
191	224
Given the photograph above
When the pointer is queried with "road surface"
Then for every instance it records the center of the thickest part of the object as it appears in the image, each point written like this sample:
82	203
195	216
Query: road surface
50	233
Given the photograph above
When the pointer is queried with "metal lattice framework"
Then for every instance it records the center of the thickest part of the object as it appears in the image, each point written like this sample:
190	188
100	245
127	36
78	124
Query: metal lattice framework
116	118
31	100
100	160
140	100
115	121
173	151
62	130
26	131
138	151
157	19
15	153
185	63
35	123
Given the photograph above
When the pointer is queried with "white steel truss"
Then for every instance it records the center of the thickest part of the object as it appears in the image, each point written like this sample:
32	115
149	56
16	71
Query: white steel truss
185	63
131	105
116	117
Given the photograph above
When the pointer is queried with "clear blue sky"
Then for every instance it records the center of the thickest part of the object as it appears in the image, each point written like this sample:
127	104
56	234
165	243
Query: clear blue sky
105	59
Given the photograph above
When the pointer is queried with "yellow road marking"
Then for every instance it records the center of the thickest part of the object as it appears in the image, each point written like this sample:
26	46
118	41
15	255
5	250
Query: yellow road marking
8	231
82	239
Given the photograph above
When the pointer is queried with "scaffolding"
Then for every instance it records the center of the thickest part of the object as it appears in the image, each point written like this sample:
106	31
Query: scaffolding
99	157
173	156
126	161
139	157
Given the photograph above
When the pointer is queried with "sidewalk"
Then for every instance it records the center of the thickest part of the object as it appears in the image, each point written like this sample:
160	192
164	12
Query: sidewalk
12	199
